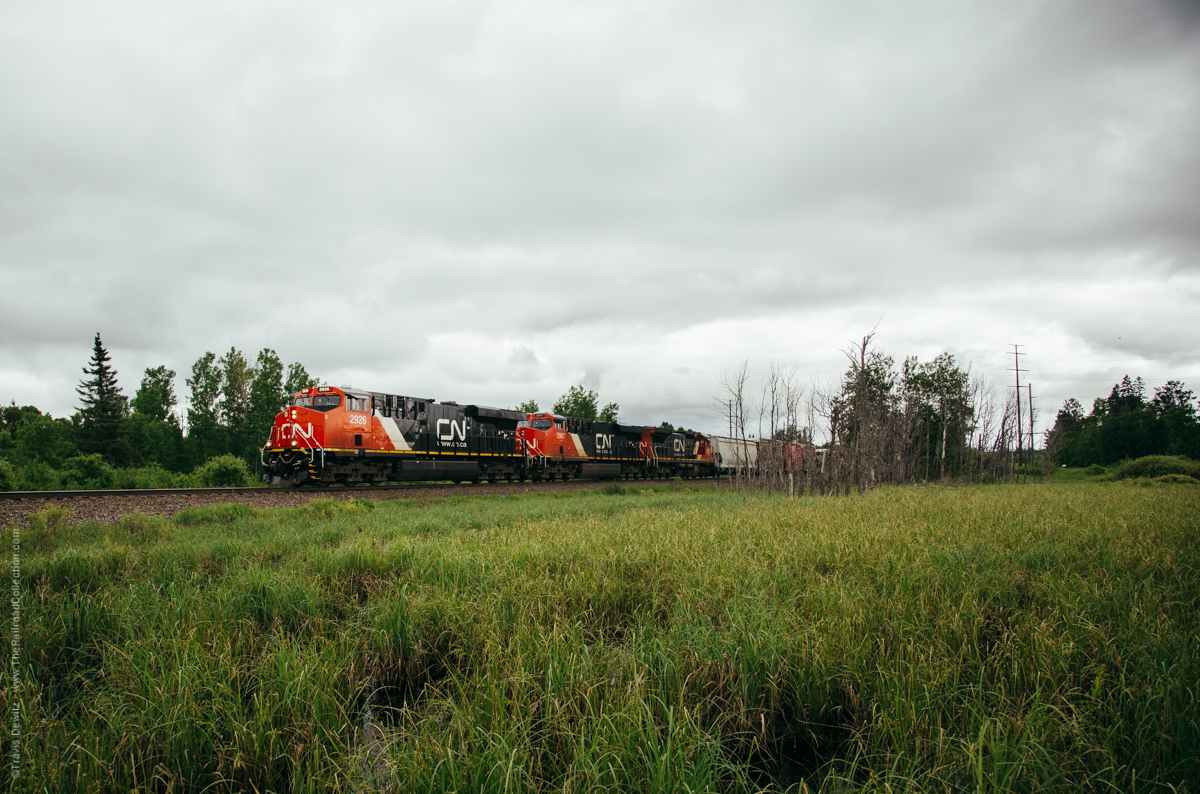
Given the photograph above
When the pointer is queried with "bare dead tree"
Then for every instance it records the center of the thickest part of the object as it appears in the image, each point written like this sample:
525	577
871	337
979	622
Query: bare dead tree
733	382
877	427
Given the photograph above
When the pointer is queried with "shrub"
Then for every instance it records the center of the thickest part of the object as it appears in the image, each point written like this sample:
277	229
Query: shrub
37	476
224	471
87	472
1095	470
152	476
1157	466
46	529
1175	479
8	476
612	489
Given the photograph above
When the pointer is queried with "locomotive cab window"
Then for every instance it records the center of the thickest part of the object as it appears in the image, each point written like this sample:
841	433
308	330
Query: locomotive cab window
326	402
356	403
304	402
560	424
543	424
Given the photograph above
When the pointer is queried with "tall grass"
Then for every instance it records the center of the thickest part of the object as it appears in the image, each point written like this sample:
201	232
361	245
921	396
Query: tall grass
986	639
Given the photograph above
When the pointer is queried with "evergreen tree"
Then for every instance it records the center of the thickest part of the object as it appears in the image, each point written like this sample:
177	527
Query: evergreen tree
1173	396
1128	396
103	418
1126	425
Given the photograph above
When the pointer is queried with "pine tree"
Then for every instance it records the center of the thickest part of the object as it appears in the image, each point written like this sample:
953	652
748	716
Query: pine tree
103	417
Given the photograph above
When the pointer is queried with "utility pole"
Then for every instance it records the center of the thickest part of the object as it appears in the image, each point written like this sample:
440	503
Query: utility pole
1020	424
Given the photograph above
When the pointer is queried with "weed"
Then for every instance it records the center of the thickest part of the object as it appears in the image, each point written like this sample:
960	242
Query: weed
215	514
145	529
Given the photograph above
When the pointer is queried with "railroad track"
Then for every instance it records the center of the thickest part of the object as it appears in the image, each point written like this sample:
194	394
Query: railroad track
332	491
109	507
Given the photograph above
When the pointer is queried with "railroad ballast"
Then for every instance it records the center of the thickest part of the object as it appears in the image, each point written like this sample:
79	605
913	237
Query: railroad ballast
342	435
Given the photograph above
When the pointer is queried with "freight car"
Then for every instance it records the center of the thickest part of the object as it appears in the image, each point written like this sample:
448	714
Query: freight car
342	435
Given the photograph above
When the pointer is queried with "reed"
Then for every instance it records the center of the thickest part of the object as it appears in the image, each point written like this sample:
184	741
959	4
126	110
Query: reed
996	638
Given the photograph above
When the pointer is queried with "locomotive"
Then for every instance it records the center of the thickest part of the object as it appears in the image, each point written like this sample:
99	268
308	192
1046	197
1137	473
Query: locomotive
342	435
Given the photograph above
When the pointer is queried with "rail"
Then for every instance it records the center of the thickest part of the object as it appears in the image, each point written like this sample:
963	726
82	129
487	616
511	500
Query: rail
263	489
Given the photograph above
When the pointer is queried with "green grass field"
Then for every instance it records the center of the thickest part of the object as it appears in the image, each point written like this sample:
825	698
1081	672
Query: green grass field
995	638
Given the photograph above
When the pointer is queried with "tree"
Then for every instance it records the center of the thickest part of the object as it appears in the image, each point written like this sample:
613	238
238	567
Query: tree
528	407
1128	396
297	380
203	414
1173	396
154	432
609	413
1125	425
267	397
156	396
578	402
41	438
103	417
237	376
938	396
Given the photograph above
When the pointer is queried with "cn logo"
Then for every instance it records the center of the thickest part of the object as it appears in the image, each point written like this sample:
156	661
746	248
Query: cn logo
679	445
603	442
456	429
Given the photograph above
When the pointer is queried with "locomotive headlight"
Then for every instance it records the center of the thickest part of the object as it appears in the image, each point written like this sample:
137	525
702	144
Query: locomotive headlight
293	442
293	414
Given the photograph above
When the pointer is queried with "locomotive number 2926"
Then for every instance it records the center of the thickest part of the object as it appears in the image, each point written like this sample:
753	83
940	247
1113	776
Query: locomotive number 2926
358	419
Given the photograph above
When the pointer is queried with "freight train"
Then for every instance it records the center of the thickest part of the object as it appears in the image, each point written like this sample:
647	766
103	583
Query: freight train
342	435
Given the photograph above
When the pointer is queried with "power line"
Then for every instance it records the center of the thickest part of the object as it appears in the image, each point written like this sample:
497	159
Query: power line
1119	360
43	393
1069	380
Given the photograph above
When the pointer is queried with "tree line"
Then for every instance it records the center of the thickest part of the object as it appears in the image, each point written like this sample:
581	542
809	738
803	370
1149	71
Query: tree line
932	420
1126	425
882	423
144	441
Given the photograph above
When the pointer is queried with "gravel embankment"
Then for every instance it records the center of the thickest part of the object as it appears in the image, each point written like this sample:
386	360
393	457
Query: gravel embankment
108	509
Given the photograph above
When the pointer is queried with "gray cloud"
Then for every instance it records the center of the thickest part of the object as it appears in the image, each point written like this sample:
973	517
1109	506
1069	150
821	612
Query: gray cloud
491	202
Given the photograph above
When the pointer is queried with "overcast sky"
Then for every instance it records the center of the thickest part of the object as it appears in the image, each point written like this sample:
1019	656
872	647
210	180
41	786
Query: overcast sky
491	202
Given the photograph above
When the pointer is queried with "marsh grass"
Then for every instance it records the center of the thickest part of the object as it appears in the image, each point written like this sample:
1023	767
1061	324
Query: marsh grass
636	639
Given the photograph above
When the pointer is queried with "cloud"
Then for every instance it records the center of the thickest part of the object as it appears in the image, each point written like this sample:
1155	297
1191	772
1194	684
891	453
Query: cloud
493	202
